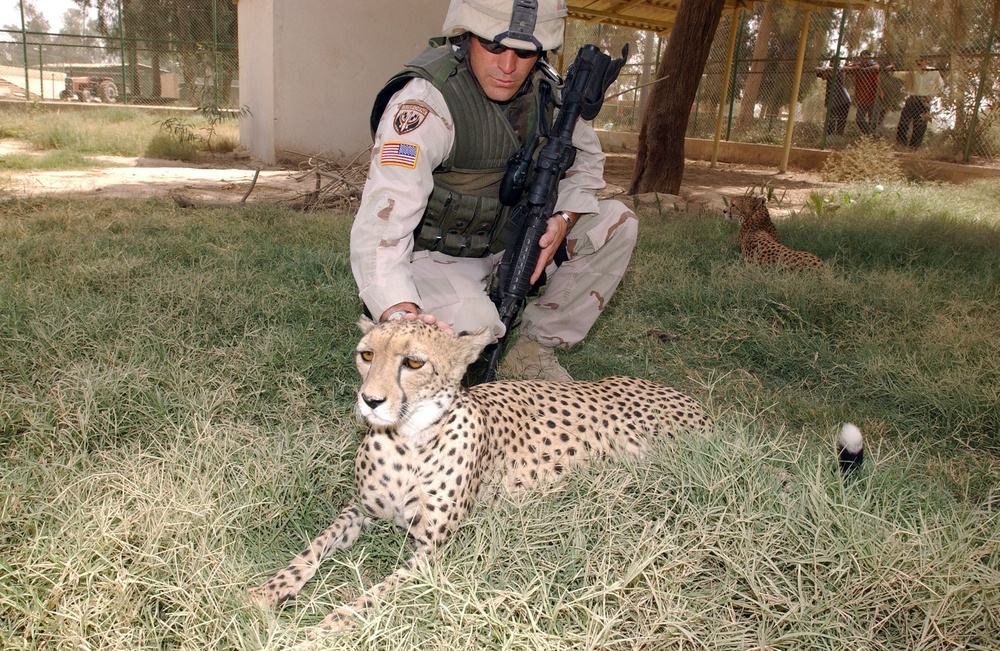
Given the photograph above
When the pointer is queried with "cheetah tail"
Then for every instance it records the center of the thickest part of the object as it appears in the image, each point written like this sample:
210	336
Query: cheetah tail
850	449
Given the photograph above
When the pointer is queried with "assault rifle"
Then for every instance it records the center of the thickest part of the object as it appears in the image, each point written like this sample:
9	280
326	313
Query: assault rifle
587	80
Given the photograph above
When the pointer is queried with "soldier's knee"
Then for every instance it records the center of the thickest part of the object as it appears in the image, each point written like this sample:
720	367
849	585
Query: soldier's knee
625	228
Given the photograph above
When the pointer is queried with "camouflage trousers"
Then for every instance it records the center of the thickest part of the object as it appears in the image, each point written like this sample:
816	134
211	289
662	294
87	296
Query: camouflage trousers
456	290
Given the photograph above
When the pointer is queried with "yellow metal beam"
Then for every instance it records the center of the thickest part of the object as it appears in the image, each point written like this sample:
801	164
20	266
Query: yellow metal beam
725	85
793	102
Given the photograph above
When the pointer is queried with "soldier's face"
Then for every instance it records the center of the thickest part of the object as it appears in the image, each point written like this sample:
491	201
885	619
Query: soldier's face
499	75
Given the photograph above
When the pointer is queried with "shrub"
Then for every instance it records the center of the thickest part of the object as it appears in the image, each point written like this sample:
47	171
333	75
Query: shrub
169	147
867	160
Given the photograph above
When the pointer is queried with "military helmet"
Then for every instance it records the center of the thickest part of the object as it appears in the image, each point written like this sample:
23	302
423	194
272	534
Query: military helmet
520	24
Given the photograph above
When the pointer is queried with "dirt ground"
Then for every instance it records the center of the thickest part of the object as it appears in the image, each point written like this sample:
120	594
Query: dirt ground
227	179
705	185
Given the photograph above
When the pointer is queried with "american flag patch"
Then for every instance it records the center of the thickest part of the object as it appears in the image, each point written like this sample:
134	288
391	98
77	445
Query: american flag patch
403	154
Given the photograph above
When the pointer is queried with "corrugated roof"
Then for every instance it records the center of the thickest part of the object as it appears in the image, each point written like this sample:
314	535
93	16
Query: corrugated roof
658	15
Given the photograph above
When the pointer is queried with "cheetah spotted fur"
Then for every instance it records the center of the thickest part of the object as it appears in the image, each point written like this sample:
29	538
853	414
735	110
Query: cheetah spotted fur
758	238
433	447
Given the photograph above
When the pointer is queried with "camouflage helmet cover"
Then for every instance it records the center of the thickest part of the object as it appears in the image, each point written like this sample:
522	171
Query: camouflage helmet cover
520	24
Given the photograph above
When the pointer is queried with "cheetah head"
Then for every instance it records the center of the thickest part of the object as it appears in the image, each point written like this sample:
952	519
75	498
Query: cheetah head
745	206
411	372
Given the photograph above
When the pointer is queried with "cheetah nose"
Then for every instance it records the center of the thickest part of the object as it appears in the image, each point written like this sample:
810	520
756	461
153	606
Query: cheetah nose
372	402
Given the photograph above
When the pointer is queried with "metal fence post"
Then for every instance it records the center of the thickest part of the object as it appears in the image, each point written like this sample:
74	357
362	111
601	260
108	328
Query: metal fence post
215	54
24	50
697	106
121	52
731	90
41	72
982	83
835	73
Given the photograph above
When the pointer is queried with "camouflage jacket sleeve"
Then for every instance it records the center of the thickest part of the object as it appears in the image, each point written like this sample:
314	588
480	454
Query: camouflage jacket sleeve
414	136
578	189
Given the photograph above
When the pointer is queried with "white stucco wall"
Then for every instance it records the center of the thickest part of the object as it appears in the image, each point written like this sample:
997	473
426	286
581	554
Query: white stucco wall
309	69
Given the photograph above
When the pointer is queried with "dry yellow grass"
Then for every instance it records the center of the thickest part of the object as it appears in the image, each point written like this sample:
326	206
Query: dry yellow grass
865	161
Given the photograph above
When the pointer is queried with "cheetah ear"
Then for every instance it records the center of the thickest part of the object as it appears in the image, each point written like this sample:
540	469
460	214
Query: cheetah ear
473	343
759	202
366	324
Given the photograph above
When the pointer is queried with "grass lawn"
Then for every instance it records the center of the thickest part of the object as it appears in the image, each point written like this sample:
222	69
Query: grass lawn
176	395
71	139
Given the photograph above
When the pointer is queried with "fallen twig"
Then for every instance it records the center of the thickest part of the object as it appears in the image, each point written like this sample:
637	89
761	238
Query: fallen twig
337	185
185	201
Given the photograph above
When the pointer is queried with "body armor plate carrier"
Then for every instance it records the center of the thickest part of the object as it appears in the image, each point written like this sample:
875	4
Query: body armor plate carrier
464	216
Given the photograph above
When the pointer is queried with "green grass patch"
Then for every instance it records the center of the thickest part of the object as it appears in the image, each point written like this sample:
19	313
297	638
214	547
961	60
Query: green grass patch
111	132
176	396
170	148
52	160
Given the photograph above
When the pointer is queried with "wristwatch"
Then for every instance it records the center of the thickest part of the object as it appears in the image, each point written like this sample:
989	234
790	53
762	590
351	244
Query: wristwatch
395	315
567	218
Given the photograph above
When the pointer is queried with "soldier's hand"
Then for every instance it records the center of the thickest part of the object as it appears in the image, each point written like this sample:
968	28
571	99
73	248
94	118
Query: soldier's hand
430	319
413	312
555	232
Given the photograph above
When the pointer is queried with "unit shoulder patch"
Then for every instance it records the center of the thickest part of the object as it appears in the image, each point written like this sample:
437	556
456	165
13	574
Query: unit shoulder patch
409	116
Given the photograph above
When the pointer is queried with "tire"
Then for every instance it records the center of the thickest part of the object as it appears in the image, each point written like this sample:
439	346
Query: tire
66	94
84	95
108	92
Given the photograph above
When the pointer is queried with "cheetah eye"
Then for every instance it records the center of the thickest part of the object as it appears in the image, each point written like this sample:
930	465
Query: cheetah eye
366	355
413	364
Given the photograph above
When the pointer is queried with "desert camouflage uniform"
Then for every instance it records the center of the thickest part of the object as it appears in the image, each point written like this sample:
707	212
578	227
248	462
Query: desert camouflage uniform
413	137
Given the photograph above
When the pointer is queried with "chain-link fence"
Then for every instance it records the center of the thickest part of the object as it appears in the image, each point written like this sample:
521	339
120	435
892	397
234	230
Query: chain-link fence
158	52
861	77
864	60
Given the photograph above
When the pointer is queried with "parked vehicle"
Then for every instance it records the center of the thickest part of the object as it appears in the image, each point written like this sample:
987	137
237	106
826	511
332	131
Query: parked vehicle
88	89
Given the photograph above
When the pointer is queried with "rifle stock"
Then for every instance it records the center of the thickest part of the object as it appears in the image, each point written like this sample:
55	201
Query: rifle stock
587	80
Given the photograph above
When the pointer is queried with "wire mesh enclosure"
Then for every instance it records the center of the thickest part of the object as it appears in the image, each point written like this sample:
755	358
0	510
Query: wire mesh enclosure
137	51
922	73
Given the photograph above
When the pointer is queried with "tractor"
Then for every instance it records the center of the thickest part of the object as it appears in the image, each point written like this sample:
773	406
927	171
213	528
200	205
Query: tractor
87	89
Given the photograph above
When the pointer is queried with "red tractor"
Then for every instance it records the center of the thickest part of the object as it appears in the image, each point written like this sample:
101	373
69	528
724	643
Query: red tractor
87	89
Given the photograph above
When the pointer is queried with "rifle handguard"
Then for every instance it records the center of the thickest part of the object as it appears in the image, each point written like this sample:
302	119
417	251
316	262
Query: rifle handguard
587	81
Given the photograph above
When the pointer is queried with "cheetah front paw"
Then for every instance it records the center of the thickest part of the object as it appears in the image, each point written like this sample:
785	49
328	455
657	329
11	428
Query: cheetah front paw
267	598
340	620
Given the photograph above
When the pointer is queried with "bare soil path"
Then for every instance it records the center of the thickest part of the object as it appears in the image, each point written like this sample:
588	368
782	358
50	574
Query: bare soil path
227	178
706	185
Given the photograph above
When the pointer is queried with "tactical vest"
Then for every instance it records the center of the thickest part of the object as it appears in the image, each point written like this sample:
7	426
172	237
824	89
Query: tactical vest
464	216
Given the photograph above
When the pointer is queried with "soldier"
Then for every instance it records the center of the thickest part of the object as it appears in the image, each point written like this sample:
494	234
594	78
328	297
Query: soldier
922	85
837	100
431	229
868	94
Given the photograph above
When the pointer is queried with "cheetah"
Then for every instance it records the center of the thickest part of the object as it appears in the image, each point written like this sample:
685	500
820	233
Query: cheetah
433	448
758	238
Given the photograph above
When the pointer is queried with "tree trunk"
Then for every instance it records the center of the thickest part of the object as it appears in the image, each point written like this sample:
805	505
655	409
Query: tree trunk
756	75
133	59
659	165
157	90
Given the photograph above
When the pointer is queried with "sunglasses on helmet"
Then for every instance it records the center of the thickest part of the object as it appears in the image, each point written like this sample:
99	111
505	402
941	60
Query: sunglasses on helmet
495	48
